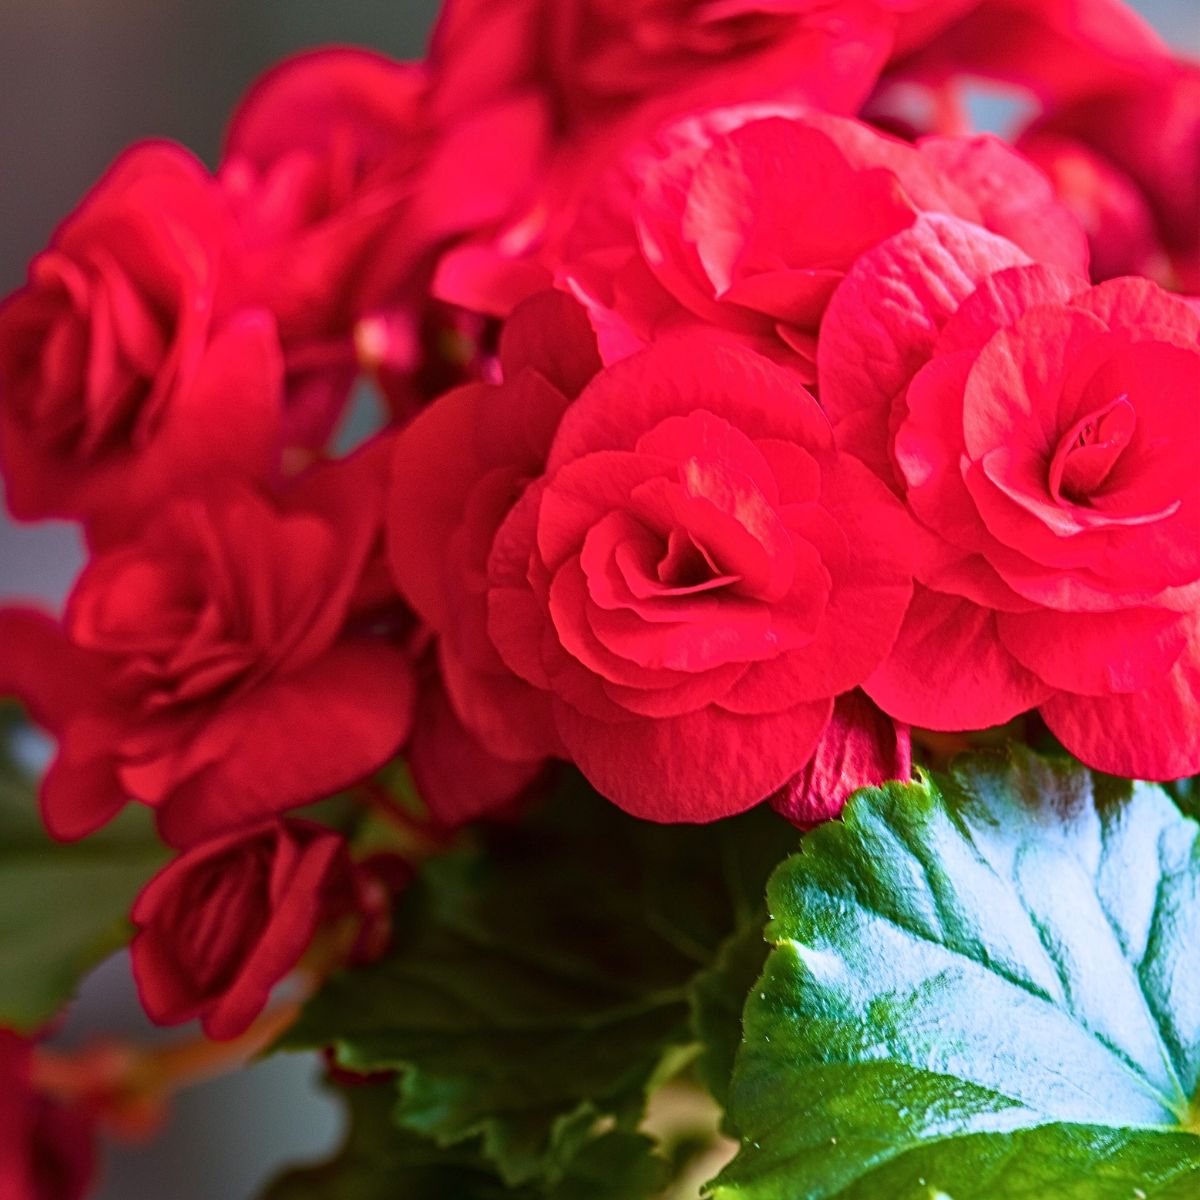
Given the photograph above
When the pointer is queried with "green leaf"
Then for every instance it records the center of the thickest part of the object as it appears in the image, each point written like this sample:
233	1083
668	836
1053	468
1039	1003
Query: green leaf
381	1162
616	1165
982	987
540	983
718	995
62	908
1186	793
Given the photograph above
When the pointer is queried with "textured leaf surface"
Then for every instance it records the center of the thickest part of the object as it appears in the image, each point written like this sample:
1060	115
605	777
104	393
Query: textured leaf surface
381	1162
377	1156
983	987
62	908
541	982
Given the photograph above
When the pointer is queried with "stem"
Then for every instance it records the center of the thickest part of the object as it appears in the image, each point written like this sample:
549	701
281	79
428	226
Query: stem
128	1086
196	1059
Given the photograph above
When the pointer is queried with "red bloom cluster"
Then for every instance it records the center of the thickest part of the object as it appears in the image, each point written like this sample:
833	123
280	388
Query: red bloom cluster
745	408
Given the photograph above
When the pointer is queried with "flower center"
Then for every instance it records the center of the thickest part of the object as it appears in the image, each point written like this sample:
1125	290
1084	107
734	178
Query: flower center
1089	451
686	566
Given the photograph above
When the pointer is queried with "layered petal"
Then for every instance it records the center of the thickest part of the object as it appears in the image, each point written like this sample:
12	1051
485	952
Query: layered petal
949	669
1149	734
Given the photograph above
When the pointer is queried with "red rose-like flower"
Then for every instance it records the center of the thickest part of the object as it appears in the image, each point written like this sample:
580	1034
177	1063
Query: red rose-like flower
125	366
592	60
344	189
1127	160
221	925
319	157
225	675
47	1151
319	161
693	579
1047	444
593	78
458	469
715	235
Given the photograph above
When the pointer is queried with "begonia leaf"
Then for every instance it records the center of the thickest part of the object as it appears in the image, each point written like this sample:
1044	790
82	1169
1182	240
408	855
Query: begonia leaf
63	908
378	1161
982	986
540	982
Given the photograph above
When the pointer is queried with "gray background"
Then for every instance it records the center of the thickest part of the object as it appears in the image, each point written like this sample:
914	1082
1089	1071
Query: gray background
79	80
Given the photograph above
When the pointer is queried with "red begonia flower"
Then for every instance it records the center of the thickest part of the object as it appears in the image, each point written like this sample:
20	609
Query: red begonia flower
128	365
224	922
1044	433
749	222
1127	160
694	578
224	675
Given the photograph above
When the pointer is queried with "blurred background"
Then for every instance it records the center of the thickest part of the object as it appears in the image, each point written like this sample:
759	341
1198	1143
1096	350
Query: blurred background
79	80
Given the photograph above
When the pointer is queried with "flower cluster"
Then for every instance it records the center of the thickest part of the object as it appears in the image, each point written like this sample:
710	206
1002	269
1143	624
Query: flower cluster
744	409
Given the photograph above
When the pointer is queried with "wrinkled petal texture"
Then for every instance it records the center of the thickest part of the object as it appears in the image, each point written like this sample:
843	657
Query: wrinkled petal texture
1044	433
695	578
748	220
